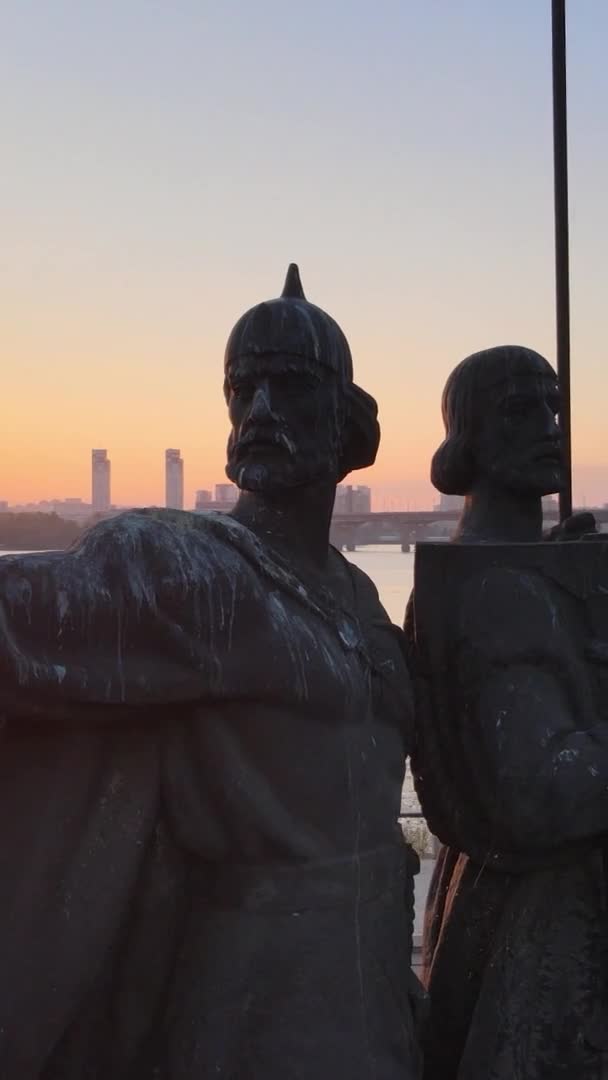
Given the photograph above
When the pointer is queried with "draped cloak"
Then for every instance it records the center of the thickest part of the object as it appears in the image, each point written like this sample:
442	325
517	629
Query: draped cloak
201	868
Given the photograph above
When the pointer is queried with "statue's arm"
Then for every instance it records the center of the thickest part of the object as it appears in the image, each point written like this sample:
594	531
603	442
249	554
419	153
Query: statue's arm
530	718
549	776
115	621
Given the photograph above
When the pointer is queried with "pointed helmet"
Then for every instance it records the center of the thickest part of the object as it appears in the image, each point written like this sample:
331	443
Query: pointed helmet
292	327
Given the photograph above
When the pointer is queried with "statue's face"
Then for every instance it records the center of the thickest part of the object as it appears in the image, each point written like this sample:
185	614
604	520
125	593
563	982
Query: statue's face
518	444
284	416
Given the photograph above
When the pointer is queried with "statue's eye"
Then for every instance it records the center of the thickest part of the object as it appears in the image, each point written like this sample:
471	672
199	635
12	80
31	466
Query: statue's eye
309	384
555	404
295	386
517	407
242	390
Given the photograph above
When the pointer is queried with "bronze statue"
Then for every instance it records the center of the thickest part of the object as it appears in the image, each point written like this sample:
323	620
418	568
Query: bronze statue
512	758
207	722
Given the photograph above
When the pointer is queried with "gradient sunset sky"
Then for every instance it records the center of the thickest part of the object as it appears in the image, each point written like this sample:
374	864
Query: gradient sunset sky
163	162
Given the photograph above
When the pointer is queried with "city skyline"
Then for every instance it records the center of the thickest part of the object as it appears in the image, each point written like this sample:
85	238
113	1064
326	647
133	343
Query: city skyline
349	498
412	183
225	492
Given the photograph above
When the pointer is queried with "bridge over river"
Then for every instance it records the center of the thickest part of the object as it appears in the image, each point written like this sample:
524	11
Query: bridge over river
407	527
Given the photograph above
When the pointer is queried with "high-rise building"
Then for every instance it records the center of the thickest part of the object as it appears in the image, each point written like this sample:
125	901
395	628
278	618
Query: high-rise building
450	502
353	500
100	480
202	499
174	480
227	494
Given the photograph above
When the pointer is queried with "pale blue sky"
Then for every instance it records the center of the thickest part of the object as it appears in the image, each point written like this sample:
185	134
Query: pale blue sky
164	161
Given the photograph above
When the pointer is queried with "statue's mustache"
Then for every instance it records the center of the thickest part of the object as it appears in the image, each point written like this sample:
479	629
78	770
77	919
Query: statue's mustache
260	437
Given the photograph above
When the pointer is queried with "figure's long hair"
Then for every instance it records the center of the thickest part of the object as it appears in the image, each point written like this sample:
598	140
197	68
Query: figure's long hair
453	467
360	431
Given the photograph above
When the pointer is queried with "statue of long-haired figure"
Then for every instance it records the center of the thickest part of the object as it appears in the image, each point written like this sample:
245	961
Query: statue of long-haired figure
511	763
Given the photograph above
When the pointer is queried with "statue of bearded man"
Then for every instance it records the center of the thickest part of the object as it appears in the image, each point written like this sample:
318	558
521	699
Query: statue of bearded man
208	718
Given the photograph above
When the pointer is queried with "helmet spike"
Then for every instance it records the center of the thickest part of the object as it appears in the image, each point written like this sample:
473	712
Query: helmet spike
292	289
290	326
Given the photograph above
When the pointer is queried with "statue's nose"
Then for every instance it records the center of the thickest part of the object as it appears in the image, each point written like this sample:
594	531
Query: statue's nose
551	421
261	408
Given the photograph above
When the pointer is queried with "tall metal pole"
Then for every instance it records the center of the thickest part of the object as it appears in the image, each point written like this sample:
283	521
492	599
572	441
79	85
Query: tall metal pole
562	285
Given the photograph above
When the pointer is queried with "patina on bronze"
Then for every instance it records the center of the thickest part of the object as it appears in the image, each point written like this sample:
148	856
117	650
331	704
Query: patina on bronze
509	649
207	722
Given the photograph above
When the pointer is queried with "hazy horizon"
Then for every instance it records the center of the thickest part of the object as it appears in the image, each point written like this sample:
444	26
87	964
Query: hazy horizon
162	167
383	498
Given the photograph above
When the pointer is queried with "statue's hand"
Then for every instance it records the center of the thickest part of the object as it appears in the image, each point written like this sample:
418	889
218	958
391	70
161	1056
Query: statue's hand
574	527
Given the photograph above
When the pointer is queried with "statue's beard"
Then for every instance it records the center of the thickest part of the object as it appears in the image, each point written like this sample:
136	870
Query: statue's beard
274	477
282	474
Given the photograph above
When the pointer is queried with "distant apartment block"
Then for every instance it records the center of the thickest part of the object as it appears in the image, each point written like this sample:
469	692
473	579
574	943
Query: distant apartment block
353	500
450	502
222	498
100	481
227	494
174	480
3	506
71	509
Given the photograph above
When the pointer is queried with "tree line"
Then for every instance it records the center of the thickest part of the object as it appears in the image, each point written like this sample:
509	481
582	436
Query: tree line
36	532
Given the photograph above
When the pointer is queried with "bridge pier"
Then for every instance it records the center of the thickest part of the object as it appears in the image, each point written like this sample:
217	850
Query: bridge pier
408	537
343	536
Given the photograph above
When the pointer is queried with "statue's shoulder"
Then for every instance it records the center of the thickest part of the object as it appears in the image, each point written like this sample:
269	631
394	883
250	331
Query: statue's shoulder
392	691
370	611
169	543
156	528
506	585
506	610
366	595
